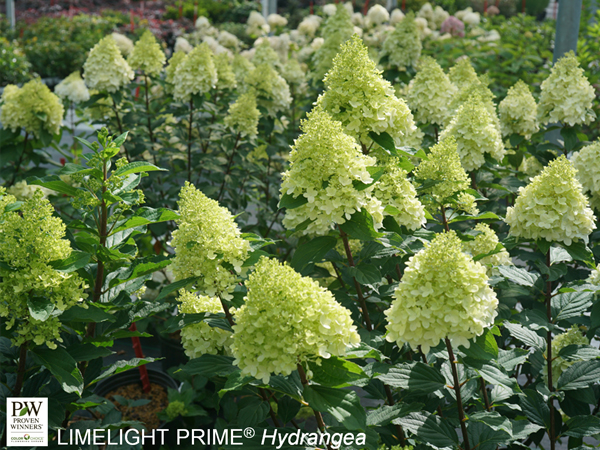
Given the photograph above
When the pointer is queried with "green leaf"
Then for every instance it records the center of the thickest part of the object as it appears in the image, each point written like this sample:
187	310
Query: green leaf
583	426
289	202
120	139
344	405
174	287
287	409
23	411
579	251
484	348
175	323
569	136
235	380
146	216
40	308
360	226
430	429
336	372
535	408
385	141
493	420
253	413
375	172
414	376
579	352
509	359
136	167
54	183
92	313
312	251
494	374
570	304
365	273
122	366
526	336
518	275
84	142
13	206
75	261
580	375
62	366
210	366
558	255
383	415
87	352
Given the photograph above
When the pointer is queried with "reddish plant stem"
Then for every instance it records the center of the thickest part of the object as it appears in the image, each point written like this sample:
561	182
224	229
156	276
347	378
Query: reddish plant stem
318	416
139	353
552	430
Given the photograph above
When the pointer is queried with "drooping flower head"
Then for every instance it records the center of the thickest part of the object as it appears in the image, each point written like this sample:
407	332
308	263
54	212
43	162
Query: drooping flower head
567	94
587	163
243	115
105	69
323	153
486	242
225	75
518	111
208	244
572	336
443	294
196	74
200	338
33	107
462	73
337	29
552	207
30	239
476	134
287	319
73	89
403	45
272	92
147	56
430	93
362	100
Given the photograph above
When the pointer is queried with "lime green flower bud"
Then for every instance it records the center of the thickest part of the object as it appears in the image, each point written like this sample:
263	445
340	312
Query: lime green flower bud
73	89
518	111
567	94
200	338
552	207
403	45
486	242
30	239
594	277
243	115
430	93
33	107
361	99
287	319
475	133
147	55
337	29
225	75
196	74
587	163
174	61
466	202
105	69
175	409
208	244
272	92
324	163
572	336
443	293
462	73
531	166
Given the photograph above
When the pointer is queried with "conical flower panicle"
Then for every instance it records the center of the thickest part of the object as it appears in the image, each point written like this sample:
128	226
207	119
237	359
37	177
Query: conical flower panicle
73	89
272	91
587	163
30	239
208	244
195	74
265	54
147	56
430	93
361	99
243	115
403	45
201	338
443	294
225	76
518	111
174	61
105	69
462	73
552	207
324	156
241	68
476	134
287	319
567	94
486	242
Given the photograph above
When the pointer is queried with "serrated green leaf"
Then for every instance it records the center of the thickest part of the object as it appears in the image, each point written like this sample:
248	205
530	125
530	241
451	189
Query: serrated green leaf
336	372
289	202
62	366
414	376
580	375
136	167
518	275
344	405
570	304
312	251
429	429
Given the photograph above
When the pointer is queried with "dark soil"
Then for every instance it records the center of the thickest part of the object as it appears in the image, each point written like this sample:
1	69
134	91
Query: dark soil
146	413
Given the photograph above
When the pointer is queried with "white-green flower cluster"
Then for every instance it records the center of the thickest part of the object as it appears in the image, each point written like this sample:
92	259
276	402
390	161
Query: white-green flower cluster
147	56
324	154
256	24
123	43
243	115
174	61
73	89
23	191
195	74
552	207
443	294
572	336
30	239
294	74
594	277
208	244
462	73
567	94
287	320
105	69
33	107
518	111
476	134
362	100
587	163
265	54
430	93
272	92
200	338
485	242
241	68
403	45
225	76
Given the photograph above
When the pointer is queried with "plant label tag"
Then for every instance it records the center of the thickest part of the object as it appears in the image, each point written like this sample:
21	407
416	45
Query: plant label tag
27	422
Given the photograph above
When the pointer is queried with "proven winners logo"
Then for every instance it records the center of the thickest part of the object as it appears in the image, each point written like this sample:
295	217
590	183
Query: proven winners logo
27	422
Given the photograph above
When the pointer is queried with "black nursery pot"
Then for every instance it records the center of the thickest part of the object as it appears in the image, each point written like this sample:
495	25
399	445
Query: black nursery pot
172	352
